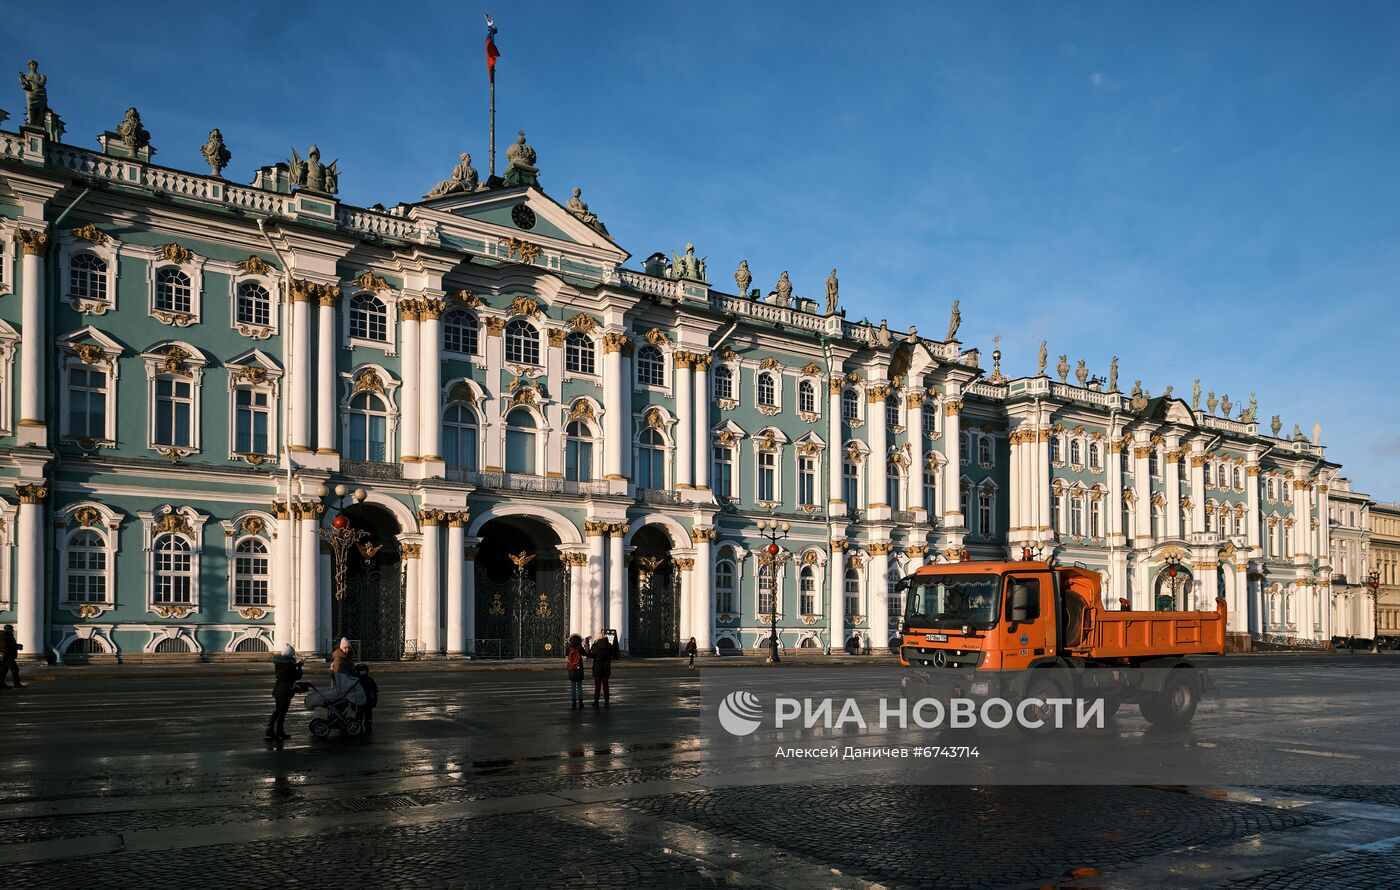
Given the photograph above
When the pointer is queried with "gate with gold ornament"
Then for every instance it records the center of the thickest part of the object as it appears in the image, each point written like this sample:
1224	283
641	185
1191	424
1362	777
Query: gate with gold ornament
655	607
526	613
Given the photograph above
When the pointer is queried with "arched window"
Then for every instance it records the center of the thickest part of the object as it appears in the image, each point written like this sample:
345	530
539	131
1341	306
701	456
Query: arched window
460	438
460	332
1076	452
894	487
767	390
369	319
852	588
724	382
651	460
724	586
1094	455
850	405
173	291
578	353
1224	478
806	397
984	450
520	442
1239	483
522	343
254	305
578	452
891	411
1154	464
87	277
251	575
86	577
174	570
1056	454
930	419
369	428
807	584
651	367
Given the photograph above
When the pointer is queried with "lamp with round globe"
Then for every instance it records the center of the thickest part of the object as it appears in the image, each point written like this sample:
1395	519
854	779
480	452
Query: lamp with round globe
774	531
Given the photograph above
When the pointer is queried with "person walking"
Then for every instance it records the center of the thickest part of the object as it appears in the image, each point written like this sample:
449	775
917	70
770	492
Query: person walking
573	662
341	663
371	696
9	657
288	671
603	652
690	651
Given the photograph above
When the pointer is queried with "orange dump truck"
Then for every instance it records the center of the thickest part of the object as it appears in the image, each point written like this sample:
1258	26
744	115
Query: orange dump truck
1036	630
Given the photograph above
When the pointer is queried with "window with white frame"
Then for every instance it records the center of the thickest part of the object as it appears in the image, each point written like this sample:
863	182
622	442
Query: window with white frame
724	382
1094	463
522	343
173	415
931	491
852	591
460	332
578	452
88	400
252	420
807	481
807	397
964	448
892	412
1076	452
651	366
850	482
1154	464
722	458
251	573
1239	480
767	390
88	277
369	318
1223	479
521	439
579	355
369	427
807	590
253	305
766	589
460	437
984	450
1056	449
930	419
986	511
1210	517
850	405
1057	510
725	586
1096	517
767	476
172	582
1076	515
86	578
894	608
651	459
894	486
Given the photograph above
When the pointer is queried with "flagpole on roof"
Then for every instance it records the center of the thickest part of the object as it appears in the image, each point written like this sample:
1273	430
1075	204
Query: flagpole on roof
491	54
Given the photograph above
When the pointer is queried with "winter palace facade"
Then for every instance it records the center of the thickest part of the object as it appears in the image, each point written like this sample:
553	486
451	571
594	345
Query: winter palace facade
525	437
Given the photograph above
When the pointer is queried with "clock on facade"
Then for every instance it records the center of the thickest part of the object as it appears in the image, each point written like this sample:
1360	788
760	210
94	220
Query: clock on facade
523	216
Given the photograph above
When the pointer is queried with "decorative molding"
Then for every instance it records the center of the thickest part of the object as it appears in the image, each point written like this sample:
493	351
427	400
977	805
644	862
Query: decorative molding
657	337
367	280
33	242
175	253
525	251
255	265
584	323
523	305
467	299
89	233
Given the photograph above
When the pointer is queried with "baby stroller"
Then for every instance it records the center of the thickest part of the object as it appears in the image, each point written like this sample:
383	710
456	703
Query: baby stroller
340	704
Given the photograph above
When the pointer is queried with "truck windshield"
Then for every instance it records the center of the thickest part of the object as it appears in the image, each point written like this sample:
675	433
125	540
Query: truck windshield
952	601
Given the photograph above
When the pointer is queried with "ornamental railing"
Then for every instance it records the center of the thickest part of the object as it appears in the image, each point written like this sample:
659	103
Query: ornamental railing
526	482
658	496
370	469
649	284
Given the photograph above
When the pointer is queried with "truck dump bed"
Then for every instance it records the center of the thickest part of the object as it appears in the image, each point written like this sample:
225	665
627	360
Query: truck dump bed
1104	634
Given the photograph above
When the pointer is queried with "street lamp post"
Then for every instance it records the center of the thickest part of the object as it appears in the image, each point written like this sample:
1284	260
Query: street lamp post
1172	562
774	531
341	539
1373	581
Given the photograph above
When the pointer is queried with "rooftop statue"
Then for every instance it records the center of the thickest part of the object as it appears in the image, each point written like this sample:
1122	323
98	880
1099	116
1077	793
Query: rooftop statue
1062	368
1044	357
522	169
1196	395
688	266
1250	414
1167	393
579	208
314	176
1298	434
132	134
1225	406
742	277
913	335
216	155
1113	375
954	322
463	180
1275	424
1081	373
882	335
36	95
784	290
833	293
1137	388
1211	402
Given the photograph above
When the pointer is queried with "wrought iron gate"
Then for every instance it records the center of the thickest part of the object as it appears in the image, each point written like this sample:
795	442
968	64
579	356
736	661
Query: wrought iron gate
373	612
528	615
654	613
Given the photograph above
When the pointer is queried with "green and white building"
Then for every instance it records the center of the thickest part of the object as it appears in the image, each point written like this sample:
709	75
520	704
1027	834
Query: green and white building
538	438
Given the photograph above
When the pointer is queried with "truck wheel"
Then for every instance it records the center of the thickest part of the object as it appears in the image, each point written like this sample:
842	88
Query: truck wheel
1175	705
1042	688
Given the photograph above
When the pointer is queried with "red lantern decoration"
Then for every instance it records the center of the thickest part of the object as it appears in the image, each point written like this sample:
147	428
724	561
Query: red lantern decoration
1171	572
339	522
772	549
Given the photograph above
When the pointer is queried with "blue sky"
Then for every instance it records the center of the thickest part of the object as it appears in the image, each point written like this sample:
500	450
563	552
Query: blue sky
1205	190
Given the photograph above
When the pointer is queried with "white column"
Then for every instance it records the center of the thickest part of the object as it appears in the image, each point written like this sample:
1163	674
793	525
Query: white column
1142	496
1207	587
703	596
429	586
877	437
299	388
1324	542
430	385
617	584
1198	487
952	448
879	618
1251	481
836	608
284	550
29	573
409	400
411	603
577	564
328	337
626	404
468	554
685	428
456	588
308	585
1042	482
914	423
702	429
1301	528
616	410
836	447
1016	480
683	567
595	607
1173	483
33	430
1113	510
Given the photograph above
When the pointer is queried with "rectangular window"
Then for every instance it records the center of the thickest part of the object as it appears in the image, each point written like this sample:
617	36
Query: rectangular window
807	605
852	594
723	471
892	487
1076	516
765	590
174	412
251	420
931	492
578	461
1095	519
807	481
850	483
984	513
767	466
87	403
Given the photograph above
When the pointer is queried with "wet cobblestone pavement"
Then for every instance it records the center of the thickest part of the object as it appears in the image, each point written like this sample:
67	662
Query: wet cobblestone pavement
489	780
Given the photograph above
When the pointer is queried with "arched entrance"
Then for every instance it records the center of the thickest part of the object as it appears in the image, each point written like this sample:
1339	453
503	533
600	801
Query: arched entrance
1172	590
369	610
522	590
654	606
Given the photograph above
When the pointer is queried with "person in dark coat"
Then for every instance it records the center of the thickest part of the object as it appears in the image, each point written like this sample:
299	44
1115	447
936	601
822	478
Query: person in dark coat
573	663
9	657
371	688
288	673
602	652
690	650
341	662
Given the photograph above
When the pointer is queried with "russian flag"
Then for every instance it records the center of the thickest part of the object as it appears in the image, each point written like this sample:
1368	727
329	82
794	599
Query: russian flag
492	54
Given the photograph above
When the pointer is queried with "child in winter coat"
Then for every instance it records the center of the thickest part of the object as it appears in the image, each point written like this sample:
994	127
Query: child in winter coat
371	689
573	661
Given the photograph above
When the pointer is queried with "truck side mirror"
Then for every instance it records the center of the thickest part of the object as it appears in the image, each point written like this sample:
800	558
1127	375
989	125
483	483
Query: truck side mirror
1020	603
902	584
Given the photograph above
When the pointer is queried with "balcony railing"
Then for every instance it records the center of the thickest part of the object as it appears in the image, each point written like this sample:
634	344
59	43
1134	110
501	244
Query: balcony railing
525	482
658	496
369	469
906	517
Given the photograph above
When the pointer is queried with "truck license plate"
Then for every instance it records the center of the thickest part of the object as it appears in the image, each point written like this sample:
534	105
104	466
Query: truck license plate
936	638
